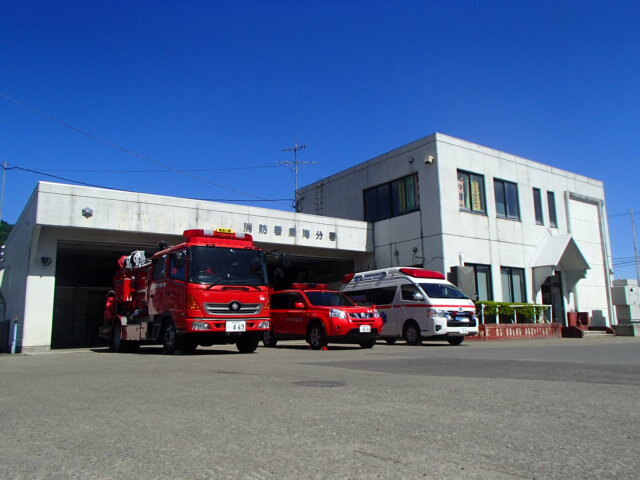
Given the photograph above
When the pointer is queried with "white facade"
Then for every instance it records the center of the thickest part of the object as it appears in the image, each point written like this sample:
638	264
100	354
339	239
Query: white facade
92	219
440	234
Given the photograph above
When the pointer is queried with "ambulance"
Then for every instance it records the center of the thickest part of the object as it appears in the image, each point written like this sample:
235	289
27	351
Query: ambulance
415	304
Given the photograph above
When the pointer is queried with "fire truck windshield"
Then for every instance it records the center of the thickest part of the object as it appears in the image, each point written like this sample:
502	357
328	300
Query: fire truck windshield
227	266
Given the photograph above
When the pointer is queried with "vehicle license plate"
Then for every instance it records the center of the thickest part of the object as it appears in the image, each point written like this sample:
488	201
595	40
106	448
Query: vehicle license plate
365	328
464	330
236	326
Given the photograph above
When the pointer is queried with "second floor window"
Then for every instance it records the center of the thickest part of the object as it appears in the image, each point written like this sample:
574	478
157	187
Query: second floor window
506	199
471	192
551	202
391	199
537	206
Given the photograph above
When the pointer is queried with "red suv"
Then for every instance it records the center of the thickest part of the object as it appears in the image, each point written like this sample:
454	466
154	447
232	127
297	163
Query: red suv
311	312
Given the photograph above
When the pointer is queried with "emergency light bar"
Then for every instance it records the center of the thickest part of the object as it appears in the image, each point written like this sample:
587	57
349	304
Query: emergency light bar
219	233
309	286
422	273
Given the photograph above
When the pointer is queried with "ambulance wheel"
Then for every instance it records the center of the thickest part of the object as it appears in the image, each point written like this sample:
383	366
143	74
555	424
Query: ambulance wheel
169	338
368	343
268	340
455	340
117	344
390	341
412	333
315	337
248	343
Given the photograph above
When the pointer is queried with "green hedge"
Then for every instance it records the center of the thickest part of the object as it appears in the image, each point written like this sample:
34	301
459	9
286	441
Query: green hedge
530	311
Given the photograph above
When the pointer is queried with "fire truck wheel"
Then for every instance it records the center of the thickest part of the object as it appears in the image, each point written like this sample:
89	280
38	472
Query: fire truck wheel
315	337
247	343
268	340
117	345
169	338
412	333
369	343
390	341
455	340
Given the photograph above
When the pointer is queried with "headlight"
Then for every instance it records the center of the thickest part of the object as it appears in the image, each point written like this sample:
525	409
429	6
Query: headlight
337	313
376	314
197	325
436	312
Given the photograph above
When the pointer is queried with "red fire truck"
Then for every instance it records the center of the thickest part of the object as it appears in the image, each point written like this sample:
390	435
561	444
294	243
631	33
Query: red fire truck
212	289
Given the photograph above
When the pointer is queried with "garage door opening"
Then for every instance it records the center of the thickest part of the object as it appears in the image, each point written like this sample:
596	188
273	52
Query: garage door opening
84	274
314	270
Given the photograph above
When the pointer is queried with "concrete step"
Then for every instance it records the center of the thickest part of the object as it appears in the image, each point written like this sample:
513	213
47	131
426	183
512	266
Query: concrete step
595	333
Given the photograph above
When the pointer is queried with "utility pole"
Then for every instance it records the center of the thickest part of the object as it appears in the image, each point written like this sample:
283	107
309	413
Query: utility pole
635	246
4	177
294	165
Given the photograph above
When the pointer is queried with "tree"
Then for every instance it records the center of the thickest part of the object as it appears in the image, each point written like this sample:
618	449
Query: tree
5	228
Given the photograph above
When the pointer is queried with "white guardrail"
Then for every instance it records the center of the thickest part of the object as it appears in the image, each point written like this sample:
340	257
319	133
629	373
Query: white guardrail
540	318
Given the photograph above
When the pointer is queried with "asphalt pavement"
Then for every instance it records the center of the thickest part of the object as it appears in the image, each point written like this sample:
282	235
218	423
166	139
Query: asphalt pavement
521	409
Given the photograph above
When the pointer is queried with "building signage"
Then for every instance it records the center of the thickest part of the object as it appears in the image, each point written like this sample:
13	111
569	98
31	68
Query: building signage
293	232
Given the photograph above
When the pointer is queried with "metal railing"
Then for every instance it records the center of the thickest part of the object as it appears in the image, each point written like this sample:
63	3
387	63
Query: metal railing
539	318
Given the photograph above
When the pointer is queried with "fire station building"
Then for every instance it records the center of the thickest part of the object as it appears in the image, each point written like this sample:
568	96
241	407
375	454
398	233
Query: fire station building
520	230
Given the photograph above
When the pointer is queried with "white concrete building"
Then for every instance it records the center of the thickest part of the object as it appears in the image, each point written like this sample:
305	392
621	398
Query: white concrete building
61	255
529	232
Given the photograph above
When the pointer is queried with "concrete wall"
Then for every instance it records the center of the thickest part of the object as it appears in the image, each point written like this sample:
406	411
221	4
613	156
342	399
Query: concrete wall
20	273
443	234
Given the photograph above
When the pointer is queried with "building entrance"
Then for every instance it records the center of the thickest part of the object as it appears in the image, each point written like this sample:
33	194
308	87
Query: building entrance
552	295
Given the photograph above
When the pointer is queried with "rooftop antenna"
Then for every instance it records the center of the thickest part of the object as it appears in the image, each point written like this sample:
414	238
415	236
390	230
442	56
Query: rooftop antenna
294	165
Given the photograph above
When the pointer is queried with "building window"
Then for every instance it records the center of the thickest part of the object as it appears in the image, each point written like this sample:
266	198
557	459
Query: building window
482	277
513	289
551	203
471	192
537	206
506	199
391	199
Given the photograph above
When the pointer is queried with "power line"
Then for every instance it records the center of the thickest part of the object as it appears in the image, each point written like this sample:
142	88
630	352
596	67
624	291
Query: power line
112	188
122	149
163	171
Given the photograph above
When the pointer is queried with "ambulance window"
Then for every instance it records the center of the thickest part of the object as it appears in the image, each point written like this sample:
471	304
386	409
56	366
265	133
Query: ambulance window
373	296
411	292
442	290
159	265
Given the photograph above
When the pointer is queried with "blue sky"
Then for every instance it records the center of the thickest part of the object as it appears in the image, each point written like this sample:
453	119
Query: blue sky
214	85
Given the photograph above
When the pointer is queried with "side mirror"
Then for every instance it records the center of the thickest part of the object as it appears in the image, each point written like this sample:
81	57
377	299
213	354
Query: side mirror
418	296
298	305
